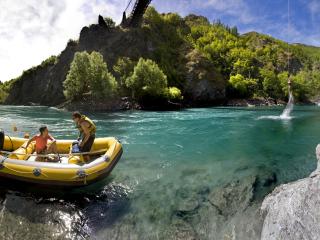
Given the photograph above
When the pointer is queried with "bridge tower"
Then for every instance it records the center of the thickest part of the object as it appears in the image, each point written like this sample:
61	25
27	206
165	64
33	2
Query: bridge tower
135	17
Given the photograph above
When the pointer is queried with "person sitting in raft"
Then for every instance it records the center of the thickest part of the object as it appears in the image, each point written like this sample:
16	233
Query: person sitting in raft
87	131
45	144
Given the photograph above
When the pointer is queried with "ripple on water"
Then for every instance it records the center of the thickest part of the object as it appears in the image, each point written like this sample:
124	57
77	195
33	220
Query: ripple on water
178	172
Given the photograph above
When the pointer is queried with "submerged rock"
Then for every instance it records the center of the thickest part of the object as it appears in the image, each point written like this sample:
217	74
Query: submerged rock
271	179
187	207
180	229
291	211
233	197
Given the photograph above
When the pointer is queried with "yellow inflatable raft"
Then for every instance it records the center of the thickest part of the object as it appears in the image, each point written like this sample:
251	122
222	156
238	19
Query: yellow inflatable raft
19	163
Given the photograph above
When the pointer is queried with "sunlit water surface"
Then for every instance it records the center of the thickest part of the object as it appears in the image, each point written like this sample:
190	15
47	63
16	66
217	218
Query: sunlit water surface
168	156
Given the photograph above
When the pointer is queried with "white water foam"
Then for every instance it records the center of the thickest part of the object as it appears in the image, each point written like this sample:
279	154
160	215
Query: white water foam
275	117
285	115
287	111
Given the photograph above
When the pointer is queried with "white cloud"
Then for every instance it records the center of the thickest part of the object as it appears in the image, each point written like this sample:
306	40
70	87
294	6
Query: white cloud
235	8
31	31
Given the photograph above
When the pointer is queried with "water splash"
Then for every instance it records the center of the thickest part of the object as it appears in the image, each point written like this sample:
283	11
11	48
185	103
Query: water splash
287	111
286	114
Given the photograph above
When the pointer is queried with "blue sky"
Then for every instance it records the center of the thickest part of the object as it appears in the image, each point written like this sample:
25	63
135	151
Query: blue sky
31	31
266	16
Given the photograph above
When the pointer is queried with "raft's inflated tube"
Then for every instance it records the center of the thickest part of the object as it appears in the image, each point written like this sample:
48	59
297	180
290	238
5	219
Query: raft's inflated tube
1	139
21	150
59	174
76	160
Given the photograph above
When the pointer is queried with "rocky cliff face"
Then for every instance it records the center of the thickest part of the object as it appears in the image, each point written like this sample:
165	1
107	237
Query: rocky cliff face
44	85
204	83
291	211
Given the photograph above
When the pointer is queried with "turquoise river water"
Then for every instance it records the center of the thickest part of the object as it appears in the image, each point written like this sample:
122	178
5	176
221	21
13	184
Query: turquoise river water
174	164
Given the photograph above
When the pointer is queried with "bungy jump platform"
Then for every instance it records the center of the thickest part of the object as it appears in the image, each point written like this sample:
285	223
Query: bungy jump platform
17	162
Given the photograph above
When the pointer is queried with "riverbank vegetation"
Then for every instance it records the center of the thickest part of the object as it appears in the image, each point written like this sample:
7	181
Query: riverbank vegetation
183	59
4	90
89	75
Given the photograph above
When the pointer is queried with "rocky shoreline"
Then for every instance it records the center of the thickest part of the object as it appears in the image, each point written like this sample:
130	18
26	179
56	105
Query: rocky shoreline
126	103
291	211
255	102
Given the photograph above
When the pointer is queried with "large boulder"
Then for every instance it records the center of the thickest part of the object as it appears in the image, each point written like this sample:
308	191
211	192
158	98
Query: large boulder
292	211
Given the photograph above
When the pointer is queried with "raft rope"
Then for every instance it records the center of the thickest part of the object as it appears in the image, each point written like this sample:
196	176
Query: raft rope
55	154
17	171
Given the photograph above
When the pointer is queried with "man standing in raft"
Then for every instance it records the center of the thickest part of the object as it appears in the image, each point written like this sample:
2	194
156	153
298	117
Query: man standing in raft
45	144
87	131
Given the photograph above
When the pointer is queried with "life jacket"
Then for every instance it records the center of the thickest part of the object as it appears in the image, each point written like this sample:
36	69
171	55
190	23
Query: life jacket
92	127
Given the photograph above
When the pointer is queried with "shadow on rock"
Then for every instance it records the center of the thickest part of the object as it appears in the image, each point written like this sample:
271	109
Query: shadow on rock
42	214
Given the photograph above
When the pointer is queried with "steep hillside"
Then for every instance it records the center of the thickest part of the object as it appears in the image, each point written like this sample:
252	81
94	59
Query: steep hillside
209	62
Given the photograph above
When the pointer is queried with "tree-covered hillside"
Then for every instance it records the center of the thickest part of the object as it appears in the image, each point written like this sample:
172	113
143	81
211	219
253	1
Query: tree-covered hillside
170	58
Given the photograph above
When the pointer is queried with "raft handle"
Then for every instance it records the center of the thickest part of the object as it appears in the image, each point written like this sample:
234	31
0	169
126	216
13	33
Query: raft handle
106	158
81	173
36	172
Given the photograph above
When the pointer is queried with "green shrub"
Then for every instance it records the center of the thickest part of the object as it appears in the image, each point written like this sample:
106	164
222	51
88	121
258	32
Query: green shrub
123	69
271	84
5	88
101	82
174	94
77	80
89	74
306	85
3	95
147	79
49	61
110	23
283	79
243	86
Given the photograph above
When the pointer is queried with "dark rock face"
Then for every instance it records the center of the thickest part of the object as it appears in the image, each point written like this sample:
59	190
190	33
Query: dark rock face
87	105
101	22
204	83
31	88
43	85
